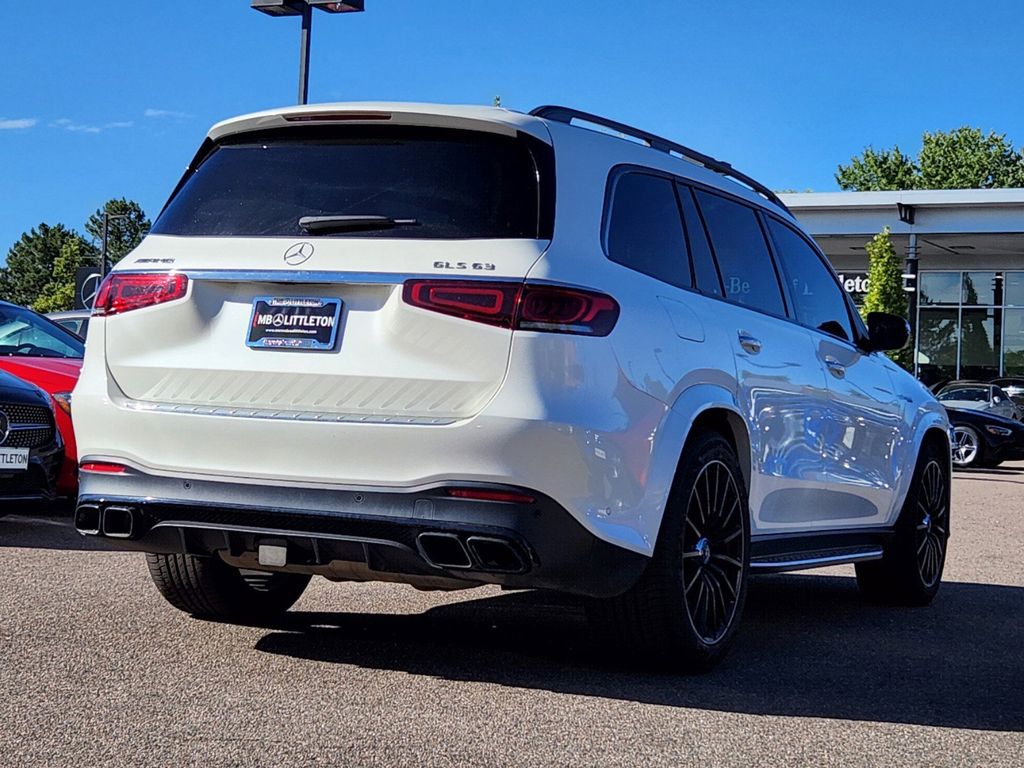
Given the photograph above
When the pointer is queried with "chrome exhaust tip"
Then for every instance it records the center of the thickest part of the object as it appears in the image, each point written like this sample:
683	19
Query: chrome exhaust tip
496	555
87	519
118	522
443	550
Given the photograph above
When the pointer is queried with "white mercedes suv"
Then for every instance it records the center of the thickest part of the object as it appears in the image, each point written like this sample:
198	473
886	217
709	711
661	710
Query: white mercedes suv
452	346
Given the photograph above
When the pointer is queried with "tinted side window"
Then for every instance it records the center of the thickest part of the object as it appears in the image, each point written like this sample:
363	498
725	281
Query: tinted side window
645	232
748	275
817	298
700	252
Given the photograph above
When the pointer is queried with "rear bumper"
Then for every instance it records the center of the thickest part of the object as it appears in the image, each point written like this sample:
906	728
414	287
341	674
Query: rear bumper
412	535
567	425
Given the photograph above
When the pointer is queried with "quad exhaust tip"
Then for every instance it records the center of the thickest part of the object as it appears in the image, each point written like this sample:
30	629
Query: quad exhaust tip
495	555
118	522
444	550
114	522
481	553
87	519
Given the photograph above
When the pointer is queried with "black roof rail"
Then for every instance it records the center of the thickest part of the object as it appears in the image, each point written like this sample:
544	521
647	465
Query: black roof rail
568	114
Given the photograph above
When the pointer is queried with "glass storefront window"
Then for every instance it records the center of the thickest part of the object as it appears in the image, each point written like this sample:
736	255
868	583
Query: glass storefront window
978	334
937	345
940	288
980	288
1013	342
979	343
1013	289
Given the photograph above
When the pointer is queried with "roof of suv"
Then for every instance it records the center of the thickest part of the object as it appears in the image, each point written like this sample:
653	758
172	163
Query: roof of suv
500	120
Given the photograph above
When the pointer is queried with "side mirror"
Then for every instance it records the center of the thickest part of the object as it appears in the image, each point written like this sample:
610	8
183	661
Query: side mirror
887	331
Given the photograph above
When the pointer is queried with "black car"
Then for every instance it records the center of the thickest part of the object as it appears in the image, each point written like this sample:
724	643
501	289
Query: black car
31	450
983	439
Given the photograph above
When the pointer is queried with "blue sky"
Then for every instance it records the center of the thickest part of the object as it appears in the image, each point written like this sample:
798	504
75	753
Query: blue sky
98	103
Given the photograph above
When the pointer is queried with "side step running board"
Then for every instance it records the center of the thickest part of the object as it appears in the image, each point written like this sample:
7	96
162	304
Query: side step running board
799	561
781	552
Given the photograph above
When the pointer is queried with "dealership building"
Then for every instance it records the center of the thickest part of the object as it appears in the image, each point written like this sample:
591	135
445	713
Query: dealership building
968	246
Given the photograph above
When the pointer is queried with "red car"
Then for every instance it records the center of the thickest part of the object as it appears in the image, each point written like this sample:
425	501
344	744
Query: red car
38	350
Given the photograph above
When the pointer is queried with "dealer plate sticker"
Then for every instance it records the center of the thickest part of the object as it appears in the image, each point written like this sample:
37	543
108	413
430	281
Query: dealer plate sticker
12	459
294	323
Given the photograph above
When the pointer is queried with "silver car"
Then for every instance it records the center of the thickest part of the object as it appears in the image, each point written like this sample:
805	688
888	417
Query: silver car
74	320
976	396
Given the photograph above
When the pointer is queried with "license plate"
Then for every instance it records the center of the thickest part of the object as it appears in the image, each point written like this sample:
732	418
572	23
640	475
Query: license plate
294	323
13	459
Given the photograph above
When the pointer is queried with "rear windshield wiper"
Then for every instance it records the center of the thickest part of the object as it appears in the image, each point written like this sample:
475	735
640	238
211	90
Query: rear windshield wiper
353	222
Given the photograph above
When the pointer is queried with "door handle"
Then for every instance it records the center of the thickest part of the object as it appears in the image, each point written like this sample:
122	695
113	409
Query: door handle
749	343
836	368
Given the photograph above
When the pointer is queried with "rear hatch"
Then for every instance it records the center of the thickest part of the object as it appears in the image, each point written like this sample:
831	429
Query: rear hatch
307	320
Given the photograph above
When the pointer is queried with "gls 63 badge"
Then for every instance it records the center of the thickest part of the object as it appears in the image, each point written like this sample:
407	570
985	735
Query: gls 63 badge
483	266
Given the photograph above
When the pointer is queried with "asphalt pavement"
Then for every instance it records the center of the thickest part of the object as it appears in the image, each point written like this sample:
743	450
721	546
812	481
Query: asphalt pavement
95	669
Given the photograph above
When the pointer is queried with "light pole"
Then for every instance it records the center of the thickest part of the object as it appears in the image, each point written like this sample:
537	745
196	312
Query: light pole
304	8
906	214
107	218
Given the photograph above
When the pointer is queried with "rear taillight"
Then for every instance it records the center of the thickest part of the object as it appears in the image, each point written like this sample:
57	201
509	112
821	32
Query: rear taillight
566	310
522	307
483	302
125	292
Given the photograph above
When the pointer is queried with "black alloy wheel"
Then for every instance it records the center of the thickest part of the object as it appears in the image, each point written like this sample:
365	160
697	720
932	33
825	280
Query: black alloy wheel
684	610
910	570
932	528
713	551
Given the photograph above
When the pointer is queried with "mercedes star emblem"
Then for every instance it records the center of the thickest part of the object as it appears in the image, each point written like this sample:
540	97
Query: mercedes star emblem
298	254
90	287
5	427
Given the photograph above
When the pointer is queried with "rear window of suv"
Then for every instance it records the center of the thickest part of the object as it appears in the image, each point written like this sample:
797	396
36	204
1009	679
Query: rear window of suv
455	184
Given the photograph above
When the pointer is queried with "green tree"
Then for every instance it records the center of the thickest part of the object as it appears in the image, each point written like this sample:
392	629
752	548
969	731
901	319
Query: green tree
887	169
963	158
124	234
30	261
967	159
885	287
59	294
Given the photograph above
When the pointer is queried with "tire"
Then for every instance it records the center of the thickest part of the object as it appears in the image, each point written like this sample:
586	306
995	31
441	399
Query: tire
683	612
967	447
910	571
209	588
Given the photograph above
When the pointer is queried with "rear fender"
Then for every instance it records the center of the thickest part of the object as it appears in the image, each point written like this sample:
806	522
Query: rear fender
678	426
